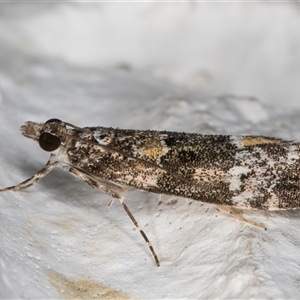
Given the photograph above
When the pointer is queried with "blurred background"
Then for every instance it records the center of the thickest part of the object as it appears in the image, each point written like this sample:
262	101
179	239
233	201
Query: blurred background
249	49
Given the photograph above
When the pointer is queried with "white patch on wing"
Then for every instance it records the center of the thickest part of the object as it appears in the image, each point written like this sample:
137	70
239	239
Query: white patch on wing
292	155
234	177
165	148
102	141
236	140
273	202
242	199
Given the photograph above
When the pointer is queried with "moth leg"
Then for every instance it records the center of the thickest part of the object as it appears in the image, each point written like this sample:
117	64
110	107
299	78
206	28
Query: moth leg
115	191
134	221
105	186
238	214
109	205
35	178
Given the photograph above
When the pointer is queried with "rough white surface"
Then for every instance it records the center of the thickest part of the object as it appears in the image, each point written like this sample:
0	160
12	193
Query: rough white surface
144	66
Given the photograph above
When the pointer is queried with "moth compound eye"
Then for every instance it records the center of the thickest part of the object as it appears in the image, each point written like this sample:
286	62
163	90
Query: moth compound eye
53	121
49	142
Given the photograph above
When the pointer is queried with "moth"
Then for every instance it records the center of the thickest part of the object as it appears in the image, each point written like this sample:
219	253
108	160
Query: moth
231	172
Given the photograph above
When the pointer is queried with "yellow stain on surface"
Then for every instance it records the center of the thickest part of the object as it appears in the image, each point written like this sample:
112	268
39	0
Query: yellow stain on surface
65	224
82	288
257	140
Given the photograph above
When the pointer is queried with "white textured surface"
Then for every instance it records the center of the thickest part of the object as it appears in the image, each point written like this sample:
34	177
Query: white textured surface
146	65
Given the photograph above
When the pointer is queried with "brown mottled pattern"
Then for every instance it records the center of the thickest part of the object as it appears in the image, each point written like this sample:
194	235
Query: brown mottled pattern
245	172
195	166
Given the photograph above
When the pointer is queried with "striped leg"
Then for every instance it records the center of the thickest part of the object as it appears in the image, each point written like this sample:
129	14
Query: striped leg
35	178
141	231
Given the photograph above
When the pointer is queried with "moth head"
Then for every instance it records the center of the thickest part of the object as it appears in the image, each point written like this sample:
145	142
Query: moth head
49	138
47	134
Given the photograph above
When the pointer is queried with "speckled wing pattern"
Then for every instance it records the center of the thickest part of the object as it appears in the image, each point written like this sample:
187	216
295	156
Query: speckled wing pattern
244	172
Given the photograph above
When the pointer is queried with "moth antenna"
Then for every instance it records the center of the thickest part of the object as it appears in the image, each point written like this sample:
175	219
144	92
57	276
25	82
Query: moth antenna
141	232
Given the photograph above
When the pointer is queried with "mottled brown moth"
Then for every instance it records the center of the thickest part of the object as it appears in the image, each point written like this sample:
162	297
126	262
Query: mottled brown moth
242	172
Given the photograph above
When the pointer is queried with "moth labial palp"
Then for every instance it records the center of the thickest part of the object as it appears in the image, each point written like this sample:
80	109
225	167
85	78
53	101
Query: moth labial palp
231	172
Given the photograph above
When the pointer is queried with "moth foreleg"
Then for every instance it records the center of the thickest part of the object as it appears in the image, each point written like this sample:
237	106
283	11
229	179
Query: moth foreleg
104	185
35	178
238	214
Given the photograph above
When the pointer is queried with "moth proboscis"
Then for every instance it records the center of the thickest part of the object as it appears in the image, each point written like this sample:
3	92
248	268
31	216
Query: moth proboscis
231	172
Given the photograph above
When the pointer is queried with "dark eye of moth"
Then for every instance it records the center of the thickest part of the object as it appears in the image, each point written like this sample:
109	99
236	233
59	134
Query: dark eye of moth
49	142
